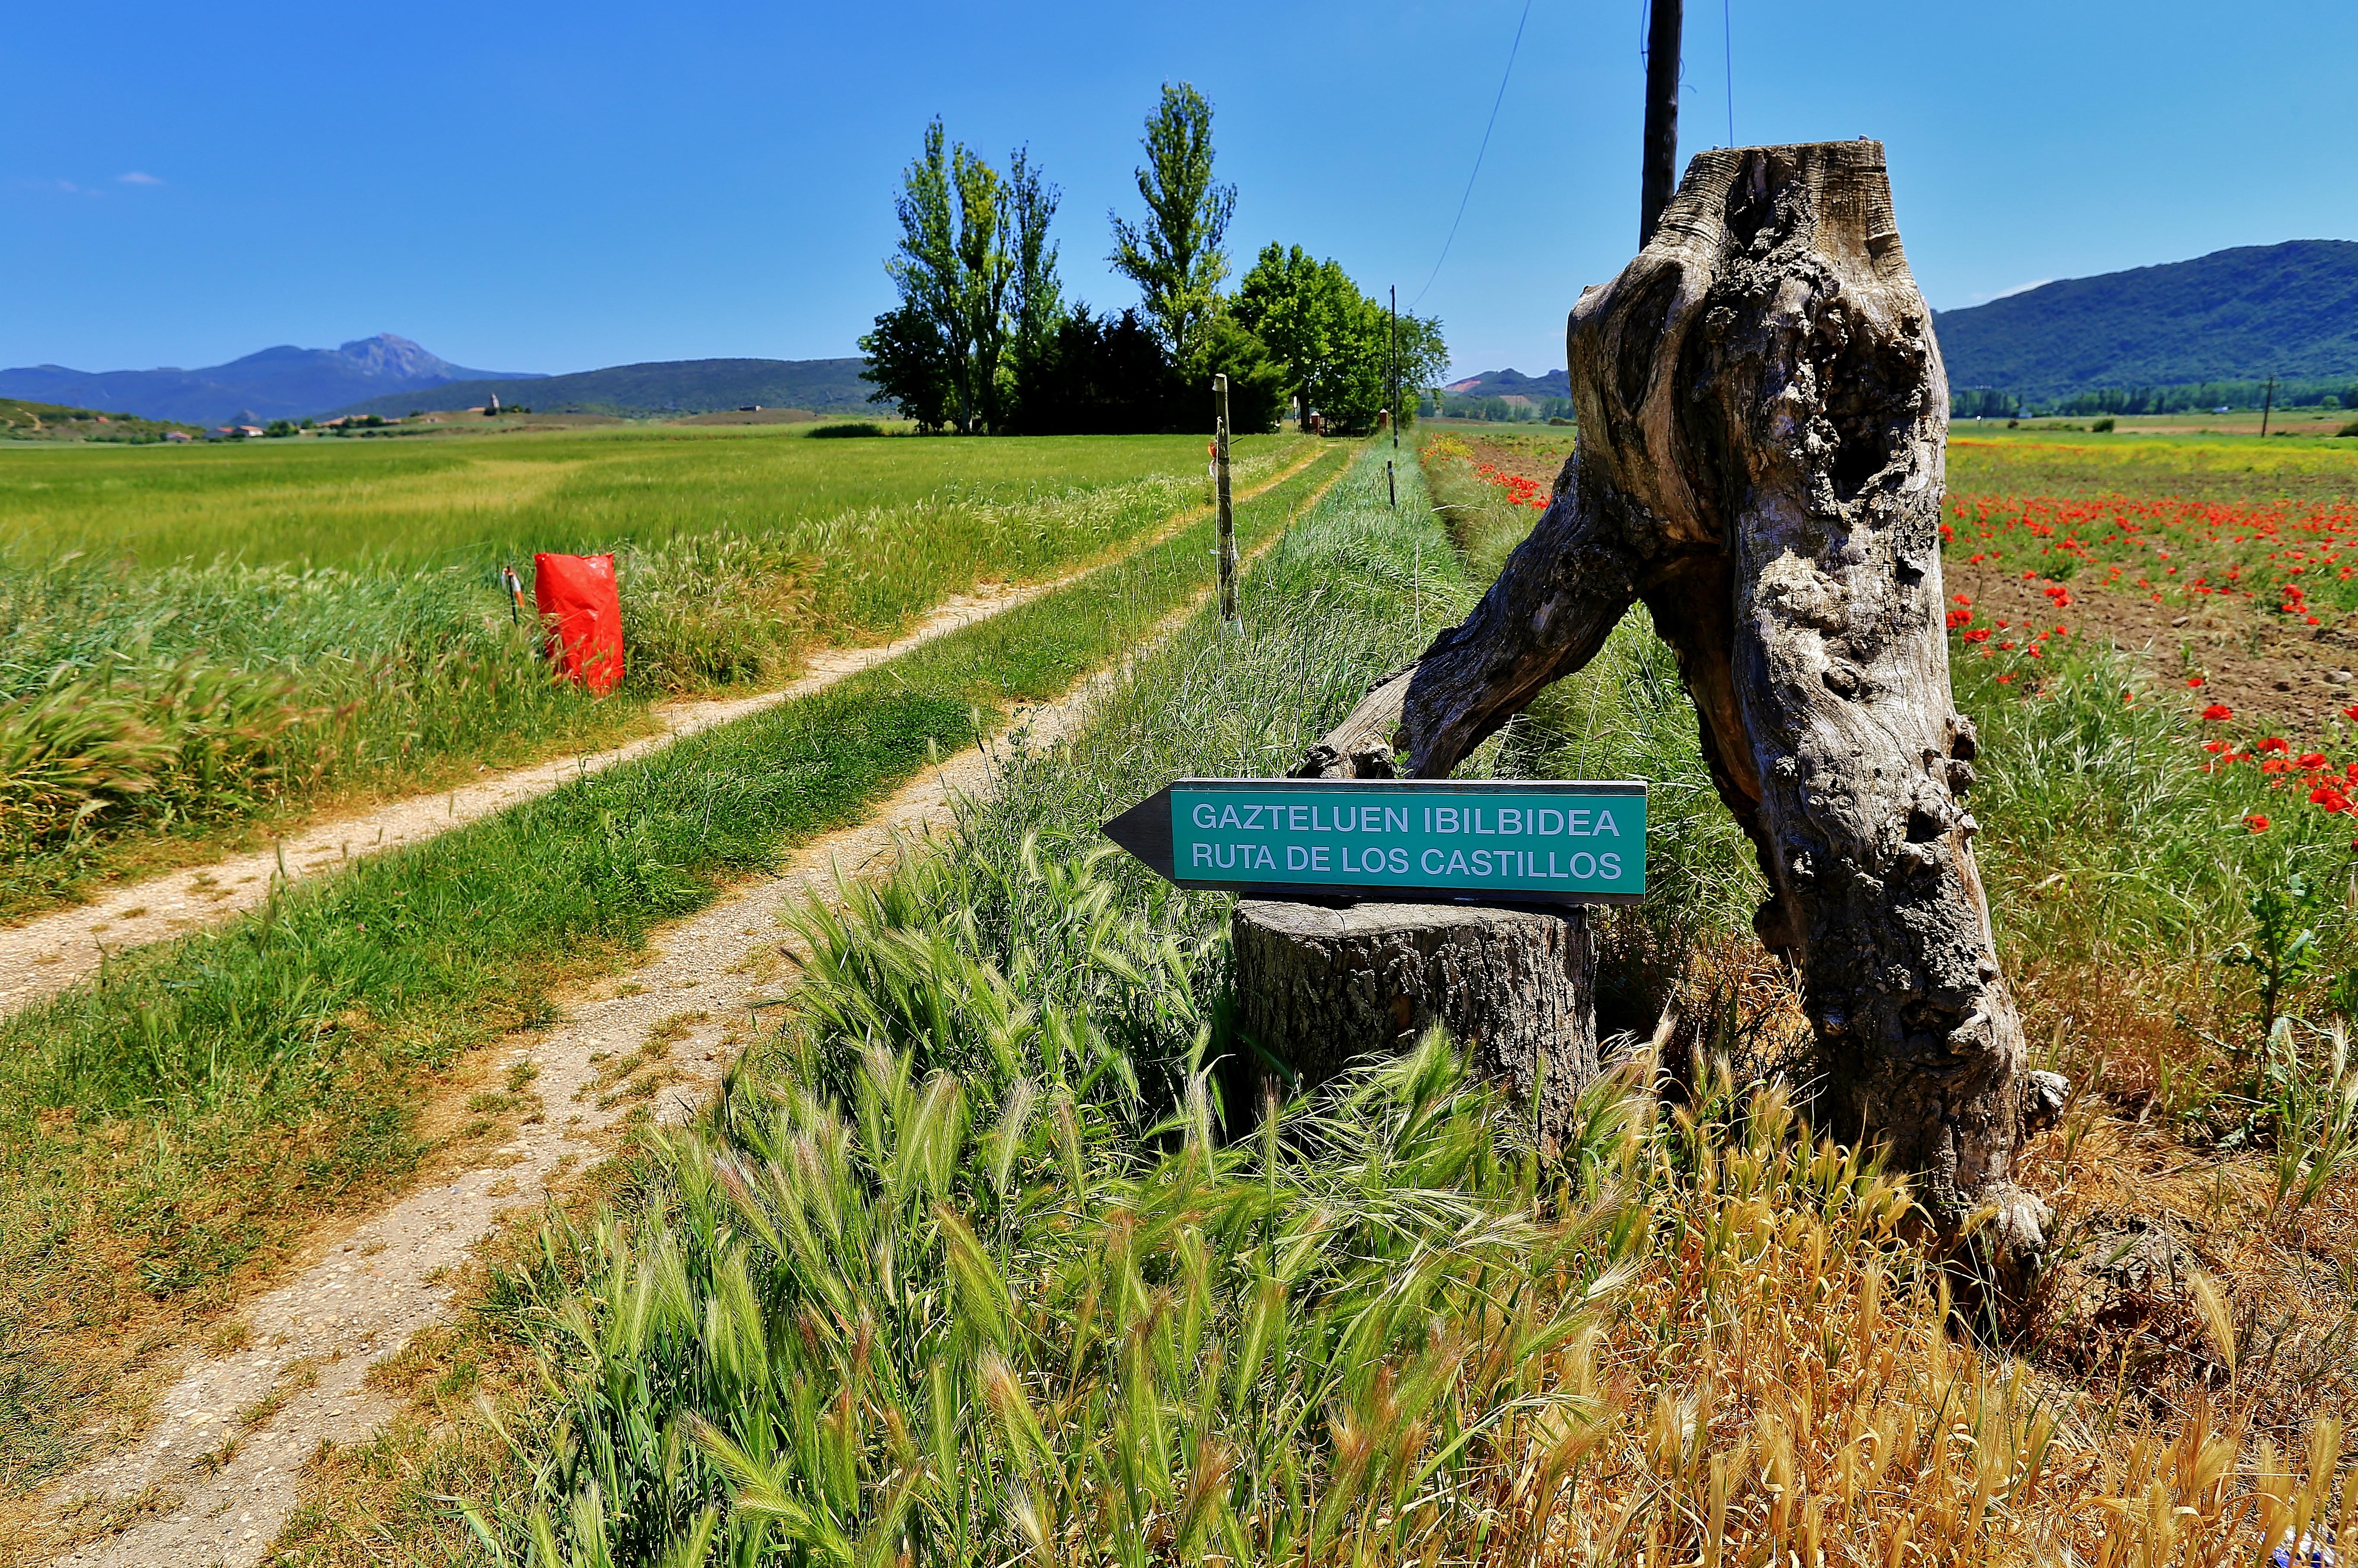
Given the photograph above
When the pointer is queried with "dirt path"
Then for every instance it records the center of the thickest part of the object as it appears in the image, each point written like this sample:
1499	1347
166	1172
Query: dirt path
218	1472
47	954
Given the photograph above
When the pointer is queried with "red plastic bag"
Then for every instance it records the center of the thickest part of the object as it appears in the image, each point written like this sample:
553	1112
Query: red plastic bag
581	611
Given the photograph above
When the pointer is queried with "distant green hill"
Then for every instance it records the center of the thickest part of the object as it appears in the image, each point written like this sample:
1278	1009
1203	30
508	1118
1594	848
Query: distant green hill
2234	316
24	421
659	387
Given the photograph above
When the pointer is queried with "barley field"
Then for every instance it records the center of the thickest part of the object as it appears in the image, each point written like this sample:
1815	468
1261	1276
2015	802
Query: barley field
194	641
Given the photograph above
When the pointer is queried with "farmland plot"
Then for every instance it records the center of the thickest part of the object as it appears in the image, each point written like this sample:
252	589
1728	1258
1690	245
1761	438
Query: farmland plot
191	642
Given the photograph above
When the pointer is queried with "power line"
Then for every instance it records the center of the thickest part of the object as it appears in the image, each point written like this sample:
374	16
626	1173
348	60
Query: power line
1727	53
1484	148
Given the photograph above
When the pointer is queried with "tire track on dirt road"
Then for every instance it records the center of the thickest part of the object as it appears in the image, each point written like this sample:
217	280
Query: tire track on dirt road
220	1470
51	952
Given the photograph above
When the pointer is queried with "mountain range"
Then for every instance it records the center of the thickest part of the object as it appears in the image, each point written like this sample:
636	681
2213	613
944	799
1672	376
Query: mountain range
659	387
284	383
2241	314
2234	316
2288	310
1512	383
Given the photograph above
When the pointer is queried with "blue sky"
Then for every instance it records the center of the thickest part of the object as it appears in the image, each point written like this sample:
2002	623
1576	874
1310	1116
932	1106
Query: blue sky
537	187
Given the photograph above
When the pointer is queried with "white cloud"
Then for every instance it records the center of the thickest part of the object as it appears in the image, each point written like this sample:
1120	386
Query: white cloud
2010	293
135	177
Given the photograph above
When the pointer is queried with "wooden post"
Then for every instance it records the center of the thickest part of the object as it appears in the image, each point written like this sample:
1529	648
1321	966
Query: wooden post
1319	986
1661	145
1228	510
2267	404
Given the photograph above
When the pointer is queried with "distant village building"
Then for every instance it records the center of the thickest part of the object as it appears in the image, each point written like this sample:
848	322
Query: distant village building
178	435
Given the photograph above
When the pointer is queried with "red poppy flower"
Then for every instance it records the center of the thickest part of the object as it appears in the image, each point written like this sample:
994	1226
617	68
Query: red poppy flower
2006	680
2256	823
2218	713
2274	744
2194	680
2311	759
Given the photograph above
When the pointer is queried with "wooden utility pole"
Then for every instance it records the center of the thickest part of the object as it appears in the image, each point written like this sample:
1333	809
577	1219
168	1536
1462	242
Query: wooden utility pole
1662	151
2267	404
1227	511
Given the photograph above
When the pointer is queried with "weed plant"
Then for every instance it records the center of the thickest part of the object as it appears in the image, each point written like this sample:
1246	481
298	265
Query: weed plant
194	1110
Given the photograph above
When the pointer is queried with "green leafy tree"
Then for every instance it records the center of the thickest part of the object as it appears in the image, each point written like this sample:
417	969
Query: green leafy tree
1035	299
909	361
1301	308
1257	378
1176	256
977	280
1345	353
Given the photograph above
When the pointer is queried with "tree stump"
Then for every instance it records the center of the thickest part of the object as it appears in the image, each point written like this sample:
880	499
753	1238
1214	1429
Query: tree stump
1319	985
1763	418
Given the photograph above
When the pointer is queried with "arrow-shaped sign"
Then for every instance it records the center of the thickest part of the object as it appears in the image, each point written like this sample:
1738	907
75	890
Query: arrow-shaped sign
1407	839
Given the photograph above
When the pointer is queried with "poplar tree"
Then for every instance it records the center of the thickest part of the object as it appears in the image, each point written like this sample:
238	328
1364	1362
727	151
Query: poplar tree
978	284
1035	298
1176	256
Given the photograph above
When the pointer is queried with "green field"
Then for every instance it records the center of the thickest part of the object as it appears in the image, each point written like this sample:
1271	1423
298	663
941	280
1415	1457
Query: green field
319	503
193	639
167	1131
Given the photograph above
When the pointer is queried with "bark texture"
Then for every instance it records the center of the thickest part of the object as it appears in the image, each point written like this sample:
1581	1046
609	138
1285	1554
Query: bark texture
1762	418
1319	985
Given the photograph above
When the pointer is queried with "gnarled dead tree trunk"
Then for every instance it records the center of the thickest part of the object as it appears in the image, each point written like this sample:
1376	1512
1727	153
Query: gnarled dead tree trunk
1762	416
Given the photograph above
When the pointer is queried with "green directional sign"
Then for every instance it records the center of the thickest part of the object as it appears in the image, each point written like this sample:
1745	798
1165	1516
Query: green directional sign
1573	842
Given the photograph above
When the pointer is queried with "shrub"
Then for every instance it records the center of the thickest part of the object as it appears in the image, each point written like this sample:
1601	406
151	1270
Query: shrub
2349	429
852	427
2103	427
